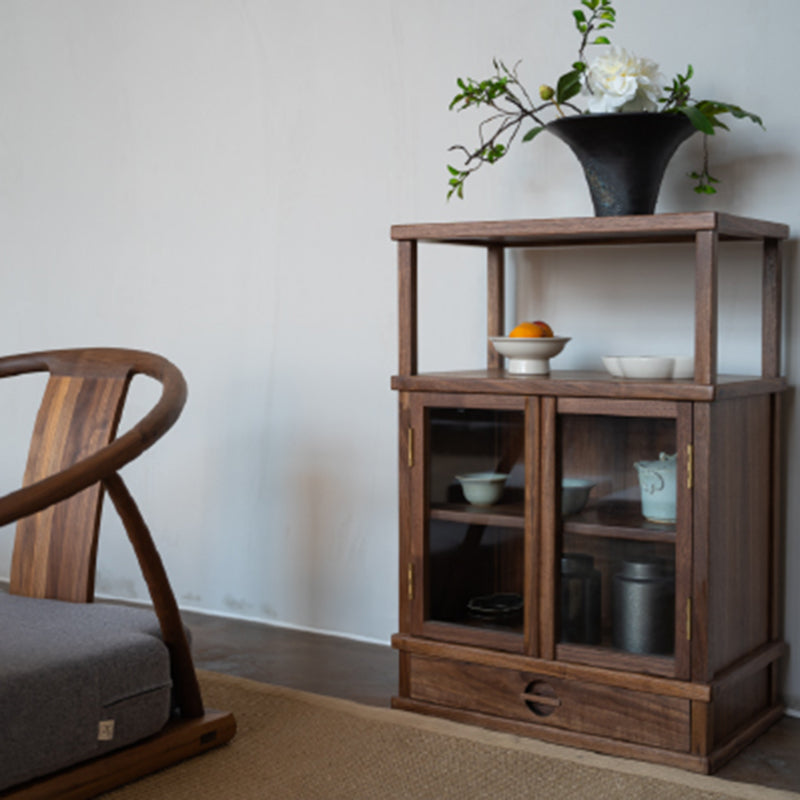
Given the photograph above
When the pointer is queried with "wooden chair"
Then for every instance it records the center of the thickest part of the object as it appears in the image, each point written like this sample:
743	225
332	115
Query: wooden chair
74	457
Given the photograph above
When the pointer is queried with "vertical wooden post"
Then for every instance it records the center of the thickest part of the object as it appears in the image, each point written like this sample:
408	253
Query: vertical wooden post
405	463
771	312
701	516
702	730
407	312
705	300
495	301
549	502
684	543
533	528
777	548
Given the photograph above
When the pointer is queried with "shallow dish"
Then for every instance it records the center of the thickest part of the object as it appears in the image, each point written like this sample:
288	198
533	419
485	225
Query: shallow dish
496	606
482	488
683	367
649	367
529	356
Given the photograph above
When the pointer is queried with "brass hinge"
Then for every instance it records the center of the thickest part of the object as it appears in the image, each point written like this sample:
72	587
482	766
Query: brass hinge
410	448
689	467
410	580
688	619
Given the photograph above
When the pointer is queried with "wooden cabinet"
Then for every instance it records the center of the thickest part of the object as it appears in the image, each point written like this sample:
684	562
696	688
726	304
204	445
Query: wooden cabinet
609	623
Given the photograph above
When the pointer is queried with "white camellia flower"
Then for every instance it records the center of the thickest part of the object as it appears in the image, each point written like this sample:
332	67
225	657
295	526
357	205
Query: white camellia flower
621	81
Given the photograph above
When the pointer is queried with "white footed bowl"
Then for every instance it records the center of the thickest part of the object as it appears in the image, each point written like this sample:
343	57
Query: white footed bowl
529	356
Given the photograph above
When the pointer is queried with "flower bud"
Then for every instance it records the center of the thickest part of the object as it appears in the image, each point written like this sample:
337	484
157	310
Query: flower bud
546	92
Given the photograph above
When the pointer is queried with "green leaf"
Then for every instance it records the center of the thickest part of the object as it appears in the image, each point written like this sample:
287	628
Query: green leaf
569	84
712	107
532	133
698	119
579	15
602	40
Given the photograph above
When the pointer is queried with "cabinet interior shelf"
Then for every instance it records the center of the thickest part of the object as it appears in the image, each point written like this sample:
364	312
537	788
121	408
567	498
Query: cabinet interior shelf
511	515
607	521
618	521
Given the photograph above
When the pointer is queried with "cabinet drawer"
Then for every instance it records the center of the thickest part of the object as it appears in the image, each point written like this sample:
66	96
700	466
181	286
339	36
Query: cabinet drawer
588	708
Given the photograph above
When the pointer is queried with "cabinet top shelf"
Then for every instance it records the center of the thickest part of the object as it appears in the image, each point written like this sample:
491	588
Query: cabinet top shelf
674	227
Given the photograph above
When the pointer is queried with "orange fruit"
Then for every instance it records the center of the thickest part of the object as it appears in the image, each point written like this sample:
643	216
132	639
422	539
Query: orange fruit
527	330
532	330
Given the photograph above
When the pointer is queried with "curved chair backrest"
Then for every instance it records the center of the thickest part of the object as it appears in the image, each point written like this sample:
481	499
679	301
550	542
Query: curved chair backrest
55	549
74	457
71	453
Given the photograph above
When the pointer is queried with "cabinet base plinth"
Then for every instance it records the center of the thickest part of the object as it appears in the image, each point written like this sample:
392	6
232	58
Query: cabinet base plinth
693	763
697	727
558	736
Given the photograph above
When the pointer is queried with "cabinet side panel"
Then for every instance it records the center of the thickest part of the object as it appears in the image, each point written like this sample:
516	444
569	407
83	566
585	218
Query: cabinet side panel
736	704
740	491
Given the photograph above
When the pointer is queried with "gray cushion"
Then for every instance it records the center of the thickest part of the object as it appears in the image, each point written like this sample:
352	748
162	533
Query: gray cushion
76	680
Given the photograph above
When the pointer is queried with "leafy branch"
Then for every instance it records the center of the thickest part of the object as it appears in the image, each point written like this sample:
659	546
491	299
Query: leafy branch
704	115
511	106
511	103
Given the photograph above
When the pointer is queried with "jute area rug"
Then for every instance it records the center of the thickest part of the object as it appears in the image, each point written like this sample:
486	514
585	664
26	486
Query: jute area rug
293	745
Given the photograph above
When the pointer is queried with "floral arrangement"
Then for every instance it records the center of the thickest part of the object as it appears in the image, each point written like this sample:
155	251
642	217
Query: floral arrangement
617	81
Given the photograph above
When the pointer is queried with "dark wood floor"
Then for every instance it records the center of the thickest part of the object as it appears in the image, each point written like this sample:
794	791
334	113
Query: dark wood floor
367	673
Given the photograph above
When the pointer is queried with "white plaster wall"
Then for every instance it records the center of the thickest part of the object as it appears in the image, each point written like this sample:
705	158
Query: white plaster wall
215	180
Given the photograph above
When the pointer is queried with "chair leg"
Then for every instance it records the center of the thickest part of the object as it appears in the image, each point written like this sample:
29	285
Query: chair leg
187	689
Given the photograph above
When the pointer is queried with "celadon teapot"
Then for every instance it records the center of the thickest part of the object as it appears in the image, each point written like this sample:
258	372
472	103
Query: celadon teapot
657	480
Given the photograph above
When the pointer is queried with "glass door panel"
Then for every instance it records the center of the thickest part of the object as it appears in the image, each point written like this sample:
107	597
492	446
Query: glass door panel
618	533
475	526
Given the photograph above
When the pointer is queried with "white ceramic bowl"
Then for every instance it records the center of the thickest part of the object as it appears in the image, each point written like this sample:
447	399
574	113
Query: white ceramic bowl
482	488
611	363
683	367
640	367
574	494
529	356
653	367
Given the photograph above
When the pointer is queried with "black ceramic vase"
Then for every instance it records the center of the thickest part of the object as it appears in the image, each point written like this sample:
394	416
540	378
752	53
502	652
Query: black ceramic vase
623	156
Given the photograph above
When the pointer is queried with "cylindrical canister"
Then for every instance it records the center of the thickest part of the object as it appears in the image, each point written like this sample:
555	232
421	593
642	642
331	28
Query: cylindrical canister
644	607
580	599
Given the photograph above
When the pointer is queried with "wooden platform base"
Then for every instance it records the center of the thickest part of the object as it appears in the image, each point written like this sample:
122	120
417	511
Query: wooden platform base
179	740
